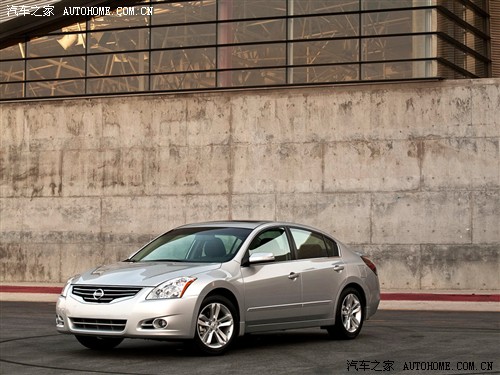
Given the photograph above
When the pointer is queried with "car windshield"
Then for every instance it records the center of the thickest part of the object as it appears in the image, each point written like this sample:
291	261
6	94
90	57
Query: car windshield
194	245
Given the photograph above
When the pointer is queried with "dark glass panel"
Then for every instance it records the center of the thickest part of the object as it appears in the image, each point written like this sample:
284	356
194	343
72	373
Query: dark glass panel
183	81
57	45
128	16
57	67
388	4
184	12
16	51
252	31
322	6
240	9
252	56
322	74
324	26
398	70
183	60
55	88
117	85
11	90
252	77
395	48
183	36
11	70
323	52
396	22
117	64
119	40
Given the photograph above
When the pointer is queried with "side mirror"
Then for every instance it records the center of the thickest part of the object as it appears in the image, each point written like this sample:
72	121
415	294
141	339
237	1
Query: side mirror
261	258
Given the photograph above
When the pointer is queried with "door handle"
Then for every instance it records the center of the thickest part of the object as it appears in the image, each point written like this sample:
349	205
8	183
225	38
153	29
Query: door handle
338	267
293	275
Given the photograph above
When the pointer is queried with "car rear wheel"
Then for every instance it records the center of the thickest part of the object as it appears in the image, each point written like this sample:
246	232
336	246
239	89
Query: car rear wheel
216	325
98	343
349	315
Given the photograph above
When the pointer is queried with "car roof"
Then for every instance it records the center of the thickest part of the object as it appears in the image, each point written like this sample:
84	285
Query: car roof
248	224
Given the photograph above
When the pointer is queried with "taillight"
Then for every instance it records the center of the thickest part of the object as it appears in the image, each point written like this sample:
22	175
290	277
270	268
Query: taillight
370	264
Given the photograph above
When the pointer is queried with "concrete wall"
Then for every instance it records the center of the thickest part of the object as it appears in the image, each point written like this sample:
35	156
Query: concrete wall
410	172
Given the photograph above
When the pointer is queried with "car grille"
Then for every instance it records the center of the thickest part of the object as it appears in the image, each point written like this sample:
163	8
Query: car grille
101	325
103	294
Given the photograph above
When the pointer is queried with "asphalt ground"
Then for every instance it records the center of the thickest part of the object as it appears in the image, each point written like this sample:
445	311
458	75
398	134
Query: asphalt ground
393	341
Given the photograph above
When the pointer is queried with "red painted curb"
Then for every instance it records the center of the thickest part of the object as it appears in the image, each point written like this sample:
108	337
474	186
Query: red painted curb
440	297
384	296
30	289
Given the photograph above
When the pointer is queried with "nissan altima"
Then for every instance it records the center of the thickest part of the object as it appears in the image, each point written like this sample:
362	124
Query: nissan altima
212	282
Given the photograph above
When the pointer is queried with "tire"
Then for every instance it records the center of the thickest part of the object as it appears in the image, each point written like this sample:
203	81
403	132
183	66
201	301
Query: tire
99	343
217	326
349	316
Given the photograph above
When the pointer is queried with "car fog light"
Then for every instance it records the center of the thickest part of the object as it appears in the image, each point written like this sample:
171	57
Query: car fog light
160	323
59	321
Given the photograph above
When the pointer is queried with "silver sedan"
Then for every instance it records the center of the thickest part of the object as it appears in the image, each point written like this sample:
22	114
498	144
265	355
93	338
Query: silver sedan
211	282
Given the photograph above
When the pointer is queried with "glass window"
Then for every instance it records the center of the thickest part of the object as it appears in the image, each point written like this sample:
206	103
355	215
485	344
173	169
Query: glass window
117	64
274	241
388	4
183	60
125	16
57	67
397	70
184	12
323	6
119	40
394	48
308	244
324	26
252	31
230	9
324	52
183	36
11	71
11	90
395	22
57	45
194	245
252	77
183	81
332	247
55	88
322	74
16	51
255	55
117	85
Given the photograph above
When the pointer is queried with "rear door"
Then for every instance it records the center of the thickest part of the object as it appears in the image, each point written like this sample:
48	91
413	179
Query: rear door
322	273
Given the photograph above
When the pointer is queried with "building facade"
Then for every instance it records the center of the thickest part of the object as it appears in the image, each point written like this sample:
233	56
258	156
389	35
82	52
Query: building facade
165	46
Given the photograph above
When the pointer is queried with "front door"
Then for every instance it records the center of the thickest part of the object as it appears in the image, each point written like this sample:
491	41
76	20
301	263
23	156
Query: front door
273	292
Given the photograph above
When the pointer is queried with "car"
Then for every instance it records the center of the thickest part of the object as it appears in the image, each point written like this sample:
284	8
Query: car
209	283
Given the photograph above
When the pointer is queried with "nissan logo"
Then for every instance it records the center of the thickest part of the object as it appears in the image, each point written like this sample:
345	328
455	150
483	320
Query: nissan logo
98	294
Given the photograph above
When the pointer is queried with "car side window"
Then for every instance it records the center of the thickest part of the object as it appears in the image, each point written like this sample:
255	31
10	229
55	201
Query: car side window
308	244
272	241
332	247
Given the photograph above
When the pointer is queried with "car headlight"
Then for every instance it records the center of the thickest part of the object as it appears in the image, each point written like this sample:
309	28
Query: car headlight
66	288
174	288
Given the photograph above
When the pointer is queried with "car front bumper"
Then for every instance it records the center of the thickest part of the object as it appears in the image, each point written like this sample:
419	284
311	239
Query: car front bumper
127	317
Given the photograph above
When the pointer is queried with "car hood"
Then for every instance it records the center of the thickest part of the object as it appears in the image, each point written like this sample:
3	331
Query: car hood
142	273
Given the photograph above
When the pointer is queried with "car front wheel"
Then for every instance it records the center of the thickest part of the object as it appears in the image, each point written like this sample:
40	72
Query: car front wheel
349	315
216	325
